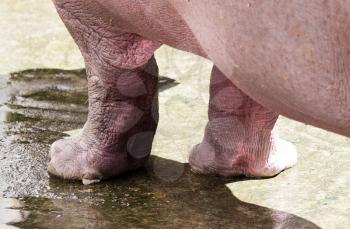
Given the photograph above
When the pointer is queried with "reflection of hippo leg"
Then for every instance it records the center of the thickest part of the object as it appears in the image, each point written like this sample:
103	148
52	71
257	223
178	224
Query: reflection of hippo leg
123	103
241	137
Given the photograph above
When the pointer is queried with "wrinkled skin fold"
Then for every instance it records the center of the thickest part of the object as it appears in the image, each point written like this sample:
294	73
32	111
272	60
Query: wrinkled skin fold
270	58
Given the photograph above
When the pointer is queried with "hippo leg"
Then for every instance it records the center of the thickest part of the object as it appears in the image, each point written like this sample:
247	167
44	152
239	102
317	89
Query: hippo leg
240	137
123	100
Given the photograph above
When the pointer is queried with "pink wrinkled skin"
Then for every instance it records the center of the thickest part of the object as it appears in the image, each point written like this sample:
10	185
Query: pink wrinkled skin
270	58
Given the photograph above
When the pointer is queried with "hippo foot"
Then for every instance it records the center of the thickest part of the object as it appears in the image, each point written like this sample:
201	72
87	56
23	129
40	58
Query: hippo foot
74	159
204	160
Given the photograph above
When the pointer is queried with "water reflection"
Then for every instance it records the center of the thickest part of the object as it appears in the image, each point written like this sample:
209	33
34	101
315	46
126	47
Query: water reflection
11	213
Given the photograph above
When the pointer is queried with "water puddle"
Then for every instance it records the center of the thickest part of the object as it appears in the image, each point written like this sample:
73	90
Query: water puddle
37	107
148	198
11	213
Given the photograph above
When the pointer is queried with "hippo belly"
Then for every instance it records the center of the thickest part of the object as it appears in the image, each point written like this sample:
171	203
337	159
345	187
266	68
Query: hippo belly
292	57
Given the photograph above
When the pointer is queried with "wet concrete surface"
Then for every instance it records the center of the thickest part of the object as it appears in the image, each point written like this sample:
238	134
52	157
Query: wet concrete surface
37	107
143	200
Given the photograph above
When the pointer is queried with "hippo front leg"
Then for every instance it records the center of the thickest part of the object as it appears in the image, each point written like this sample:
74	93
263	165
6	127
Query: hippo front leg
123	99
241	137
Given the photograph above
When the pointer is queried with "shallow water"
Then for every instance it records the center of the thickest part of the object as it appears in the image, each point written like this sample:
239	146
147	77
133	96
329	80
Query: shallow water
40	106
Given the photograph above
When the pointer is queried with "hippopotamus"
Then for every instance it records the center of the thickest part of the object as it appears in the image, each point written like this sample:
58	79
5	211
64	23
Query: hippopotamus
269	58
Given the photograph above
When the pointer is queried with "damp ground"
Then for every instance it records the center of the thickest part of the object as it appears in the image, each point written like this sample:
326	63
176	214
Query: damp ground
38	107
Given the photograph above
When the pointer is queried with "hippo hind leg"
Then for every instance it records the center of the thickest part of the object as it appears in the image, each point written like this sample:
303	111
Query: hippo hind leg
240	137
123	99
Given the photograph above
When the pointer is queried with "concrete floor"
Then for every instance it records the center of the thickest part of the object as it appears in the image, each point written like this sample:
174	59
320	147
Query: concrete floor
316	190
